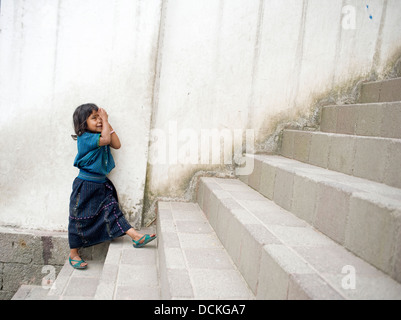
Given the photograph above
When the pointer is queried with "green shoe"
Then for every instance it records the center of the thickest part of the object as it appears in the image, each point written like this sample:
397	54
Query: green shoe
78	263
148	238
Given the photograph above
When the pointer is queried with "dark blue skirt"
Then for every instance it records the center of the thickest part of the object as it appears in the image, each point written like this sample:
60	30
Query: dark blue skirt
95	214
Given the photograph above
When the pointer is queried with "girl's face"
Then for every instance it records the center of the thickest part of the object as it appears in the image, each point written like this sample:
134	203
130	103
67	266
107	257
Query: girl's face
94	122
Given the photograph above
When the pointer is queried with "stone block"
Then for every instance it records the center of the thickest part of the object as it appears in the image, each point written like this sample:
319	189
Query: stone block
302	142
391	127
232	184
137	293
22	292
333	258
396	268
114	254
234	234
283	188
165	212
332	208
200	194
15	275
61	281
329	119
198	227
146	257
197	241
207	258
270	214
224	217
179	285
174	258
390	90
392	173
267	180
84	287
170	239
334	264
254	178
304	198
371	158
311	287
208	284
255	236
183	206
18	247
370	92
166	225
370	120
248	194
342	151
195	214
107	281
163	205
372	231
35	293
287	144
137	275
368	287
243	215
209	200
215	198
300	236
278	263
319	150
347	118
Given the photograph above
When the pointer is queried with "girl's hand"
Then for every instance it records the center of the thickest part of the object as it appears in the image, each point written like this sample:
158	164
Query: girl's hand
103	114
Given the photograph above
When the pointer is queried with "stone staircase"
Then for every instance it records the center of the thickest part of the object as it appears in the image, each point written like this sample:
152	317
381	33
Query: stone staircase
322	220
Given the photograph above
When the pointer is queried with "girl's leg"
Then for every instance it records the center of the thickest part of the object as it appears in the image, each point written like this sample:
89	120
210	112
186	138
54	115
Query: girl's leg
75	256
135	235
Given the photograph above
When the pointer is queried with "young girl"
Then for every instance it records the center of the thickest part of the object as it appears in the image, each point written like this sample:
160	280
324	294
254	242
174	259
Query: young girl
95	215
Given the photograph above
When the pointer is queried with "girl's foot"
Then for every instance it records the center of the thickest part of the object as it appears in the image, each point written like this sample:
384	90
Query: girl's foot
74	255
136	236
144	240
141	237
77	262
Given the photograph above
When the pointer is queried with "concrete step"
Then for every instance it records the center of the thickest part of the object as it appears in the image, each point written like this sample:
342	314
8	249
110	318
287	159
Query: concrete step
361	215
116	271
372	158
381	91
73	284
280	255
374	119
193	262
129	273
31	292
70	283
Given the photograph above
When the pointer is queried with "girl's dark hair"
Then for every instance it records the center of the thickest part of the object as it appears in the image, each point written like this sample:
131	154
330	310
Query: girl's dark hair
80	116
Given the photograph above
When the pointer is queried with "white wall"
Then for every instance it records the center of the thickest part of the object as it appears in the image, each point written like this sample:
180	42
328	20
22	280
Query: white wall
216	64
54	56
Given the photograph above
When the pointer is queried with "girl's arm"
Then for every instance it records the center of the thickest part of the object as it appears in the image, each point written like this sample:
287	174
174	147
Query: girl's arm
106	137
115	141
